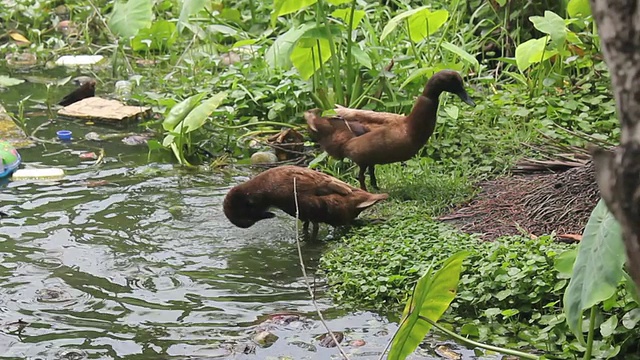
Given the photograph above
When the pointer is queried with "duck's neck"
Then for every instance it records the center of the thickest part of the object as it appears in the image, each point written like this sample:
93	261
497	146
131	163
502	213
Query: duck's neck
423	117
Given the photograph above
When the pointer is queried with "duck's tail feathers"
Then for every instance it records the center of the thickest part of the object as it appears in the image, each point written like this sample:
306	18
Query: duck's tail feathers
372	200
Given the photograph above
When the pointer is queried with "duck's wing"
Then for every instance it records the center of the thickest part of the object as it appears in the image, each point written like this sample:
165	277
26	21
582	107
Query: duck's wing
312	182
368	117
325	126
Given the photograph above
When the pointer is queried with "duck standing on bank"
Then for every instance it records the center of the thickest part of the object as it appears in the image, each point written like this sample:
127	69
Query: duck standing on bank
370	138
321	198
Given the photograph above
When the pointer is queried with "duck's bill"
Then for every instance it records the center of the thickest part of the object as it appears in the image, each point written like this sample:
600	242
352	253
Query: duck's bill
466	98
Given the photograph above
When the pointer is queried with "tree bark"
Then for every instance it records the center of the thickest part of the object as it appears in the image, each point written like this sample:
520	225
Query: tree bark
618	172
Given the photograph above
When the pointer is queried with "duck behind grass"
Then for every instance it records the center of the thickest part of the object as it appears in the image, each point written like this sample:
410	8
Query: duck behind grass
370	138
321	198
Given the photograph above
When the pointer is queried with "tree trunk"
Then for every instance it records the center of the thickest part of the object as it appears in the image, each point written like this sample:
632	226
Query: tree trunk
618	173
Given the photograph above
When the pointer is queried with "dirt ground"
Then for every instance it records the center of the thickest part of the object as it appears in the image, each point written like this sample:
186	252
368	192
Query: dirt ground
536	204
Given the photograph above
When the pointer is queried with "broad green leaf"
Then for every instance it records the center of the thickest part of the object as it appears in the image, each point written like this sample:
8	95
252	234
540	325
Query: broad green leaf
422	22
284	7
431	298
564	263
338	2
553	25
598	267
461	53
426	23
160	36
7	81
278	54
188	8
345	14
393	23
631	319
180	110
608	326
361	57
530	52
128	18
577	8
196	118
312	50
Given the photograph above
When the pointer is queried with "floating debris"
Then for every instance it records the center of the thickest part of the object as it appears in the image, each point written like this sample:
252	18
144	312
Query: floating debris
265	339
88	156
325	340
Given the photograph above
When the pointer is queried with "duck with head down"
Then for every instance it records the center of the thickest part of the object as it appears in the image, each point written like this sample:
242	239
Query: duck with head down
321	198
370	138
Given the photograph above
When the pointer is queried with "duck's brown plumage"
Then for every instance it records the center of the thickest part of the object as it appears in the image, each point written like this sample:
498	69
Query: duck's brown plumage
321	198
369	138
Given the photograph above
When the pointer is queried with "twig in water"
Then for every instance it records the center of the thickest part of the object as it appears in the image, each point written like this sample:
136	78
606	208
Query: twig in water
304	273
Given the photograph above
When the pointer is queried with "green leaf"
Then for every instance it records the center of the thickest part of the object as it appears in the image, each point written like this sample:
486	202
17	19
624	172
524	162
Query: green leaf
631	319
153	144
278	54
530	52
196	118
577	8
431	298
338	2
188	8
160	36
632	289
345	14
608	326
418	73
361	57
426	23
312	50
7	81
128	18
461	53
422	22
283	7
564	263
598	267
553	25
180	110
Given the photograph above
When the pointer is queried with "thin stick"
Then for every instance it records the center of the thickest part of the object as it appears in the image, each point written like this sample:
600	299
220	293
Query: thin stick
304	273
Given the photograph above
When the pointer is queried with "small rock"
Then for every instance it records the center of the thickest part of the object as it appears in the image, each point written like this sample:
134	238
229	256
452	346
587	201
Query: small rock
263	157
21	61
265	339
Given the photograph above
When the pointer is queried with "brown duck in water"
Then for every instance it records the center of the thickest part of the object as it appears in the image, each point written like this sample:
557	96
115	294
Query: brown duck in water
369	137
321	198
87	89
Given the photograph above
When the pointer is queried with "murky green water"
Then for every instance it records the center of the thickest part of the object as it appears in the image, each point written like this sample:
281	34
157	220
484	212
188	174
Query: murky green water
136	261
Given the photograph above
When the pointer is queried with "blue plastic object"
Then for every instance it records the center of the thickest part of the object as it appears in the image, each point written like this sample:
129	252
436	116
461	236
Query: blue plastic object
64	135
9	159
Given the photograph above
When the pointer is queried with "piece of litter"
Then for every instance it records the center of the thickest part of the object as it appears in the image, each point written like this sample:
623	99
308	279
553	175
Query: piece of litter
38	174
88	156
74	60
